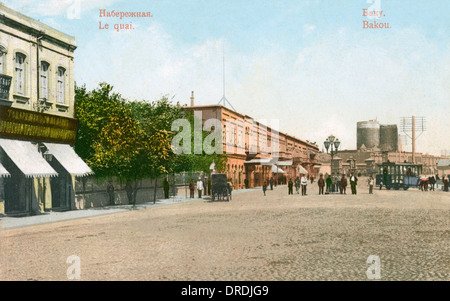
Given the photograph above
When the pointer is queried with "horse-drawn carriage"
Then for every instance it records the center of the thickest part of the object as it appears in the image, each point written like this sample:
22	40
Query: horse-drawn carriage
220	188
398	175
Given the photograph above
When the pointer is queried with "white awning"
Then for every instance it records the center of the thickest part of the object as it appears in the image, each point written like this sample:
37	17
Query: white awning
259	161
3	172
27	158
69	159
284	163
301	170
276	169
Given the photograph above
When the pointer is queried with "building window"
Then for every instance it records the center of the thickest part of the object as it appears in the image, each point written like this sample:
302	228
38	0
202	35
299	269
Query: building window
44	80
60	86
19	73
2	61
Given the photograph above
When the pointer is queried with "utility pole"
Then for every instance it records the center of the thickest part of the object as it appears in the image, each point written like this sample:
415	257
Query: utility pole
413	125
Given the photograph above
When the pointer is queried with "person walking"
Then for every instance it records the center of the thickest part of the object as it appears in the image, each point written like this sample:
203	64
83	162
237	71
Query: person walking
264	187
166	188
445	182
304	182
110	191
371	183
353	182
321	184
199	187
329	181
343	184
271	183
191	188
297	185
290	187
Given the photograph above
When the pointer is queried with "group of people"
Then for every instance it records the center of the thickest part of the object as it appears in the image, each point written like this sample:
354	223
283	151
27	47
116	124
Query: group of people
202	187
335	184
301	184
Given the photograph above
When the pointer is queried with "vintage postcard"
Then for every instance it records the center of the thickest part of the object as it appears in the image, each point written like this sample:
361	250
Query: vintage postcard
224	141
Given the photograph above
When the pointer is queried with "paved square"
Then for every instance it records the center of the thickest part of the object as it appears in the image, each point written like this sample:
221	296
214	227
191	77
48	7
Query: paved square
276	237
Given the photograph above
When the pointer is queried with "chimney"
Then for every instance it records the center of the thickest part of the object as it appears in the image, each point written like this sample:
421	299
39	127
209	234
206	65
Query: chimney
192	99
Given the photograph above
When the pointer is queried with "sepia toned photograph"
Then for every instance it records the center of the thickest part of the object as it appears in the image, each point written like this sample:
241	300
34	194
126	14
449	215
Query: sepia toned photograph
208	142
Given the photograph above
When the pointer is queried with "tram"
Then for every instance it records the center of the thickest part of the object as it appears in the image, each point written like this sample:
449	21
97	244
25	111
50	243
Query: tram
398	175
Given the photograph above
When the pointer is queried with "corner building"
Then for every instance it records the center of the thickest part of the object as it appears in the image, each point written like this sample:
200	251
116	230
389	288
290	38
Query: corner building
247	147
38	164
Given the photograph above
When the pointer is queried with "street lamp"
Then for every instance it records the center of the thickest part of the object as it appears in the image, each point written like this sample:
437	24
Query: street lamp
332	143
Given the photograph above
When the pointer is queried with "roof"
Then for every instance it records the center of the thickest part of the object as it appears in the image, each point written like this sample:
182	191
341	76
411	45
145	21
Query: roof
36	25
443	162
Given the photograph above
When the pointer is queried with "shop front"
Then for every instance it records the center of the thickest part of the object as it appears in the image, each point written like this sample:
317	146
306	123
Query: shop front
38	163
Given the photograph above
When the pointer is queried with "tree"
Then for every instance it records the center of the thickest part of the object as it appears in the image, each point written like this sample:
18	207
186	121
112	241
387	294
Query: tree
110	140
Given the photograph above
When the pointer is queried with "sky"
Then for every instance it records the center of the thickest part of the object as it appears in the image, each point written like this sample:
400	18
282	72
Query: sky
311	65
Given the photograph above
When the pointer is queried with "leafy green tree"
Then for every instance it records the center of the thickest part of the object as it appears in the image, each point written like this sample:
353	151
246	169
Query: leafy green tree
110	140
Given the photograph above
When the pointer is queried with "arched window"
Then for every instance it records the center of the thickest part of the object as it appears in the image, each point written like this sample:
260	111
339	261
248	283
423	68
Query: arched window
60	86
44	80
19	73
2	60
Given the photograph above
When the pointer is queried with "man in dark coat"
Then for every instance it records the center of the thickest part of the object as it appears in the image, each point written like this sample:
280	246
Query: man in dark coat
343	184
353	182
166	188
290	187
321	183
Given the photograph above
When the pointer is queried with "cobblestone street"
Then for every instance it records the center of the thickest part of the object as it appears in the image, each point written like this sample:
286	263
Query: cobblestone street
276	237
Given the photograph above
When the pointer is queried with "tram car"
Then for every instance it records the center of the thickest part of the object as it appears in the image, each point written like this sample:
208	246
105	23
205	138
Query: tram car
220	188
398	175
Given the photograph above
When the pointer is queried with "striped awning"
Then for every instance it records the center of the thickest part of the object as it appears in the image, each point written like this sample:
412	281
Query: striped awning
27	158
69	159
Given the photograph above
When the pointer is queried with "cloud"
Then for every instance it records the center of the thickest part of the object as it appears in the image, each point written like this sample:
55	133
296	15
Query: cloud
308	28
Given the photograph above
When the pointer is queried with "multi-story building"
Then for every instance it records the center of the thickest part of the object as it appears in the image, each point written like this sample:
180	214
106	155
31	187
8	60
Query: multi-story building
38	166
256	152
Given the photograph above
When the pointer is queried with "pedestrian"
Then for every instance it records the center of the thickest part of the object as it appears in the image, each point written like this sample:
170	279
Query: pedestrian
304	182
271	183
343	184
353	182
191	188
110	191
199	187
312	179
329	181
445	182
321	184
205	186
264	187
166	188
290	187
297	185
371	182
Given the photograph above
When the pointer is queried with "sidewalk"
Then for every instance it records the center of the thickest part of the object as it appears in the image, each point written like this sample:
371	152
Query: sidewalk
8	222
